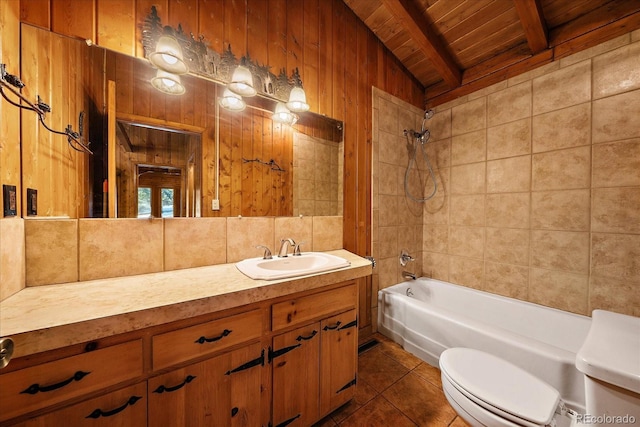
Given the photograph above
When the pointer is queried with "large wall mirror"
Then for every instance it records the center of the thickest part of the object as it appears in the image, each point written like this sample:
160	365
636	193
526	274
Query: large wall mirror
181	155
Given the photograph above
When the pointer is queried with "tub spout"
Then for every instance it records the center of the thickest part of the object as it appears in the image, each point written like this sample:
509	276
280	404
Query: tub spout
408	275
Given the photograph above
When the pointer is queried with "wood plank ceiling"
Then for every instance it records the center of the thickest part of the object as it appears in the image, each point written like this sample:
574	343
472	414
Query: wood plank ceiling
454	47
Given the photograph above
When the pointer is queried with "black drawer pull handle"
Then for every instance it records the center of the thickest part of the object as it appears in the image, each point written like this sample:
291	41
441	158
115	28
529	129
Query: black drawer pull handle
313	334
162	389
100	413
349	325
37	388
331	328
204	339
234	411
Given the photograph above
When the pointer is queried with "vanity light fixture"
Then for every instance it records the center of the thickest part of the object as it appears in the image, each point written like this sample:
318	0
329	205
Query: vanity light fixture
168	56
232	101
242	81
298	100
168	83
283	115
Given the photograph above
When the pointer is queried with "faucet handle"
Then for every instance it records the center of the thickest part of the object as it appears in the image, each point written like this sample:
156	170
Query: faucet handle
296	249
267	252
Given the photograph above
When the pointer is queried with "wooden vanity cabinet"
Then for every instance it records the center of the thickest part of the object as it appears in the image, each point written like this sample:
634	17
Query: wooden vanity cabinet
286	361
314	366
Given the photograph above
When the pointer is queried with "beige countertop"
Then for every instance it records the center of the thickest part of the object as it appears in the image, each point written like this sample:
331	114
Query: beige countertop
48	317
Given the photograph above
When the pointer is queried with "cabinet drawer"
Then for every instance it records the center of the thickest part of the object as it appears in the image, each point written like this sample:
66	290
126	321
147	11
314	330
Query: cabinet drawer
185	344
123	408
49	383
299	310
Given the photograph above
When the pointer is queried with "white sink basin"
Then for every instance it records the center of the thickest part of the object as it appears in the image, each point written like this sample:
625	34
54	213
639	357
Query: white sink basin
290	266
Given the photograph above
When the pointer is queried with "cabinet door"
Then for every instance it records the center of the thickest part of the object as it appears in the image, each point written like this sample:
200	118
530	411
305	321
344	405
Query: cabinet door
338	361
123	408
222	391
296	365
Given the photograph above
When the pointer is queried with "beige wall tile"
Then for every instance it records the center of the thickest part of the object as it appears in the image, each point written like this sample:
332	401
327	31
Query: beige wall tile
467	210
616	117
560	250
488	90
561	210
410	239
388	241
509	104
438	152
12	255
615	255
387	271
327	233
466	241
635	36
537	72
509	210
469	117
616	163
196	242
469	147
616	210
436	210
244	234
393	148
466	271
296	228
468	179
388	179
388	120
510	139
621	296
436	238
509	175
119	247
616	71
435	265
562	88
562	170
507	245
569	127
508	280
559	289
388	210
51	251
440	125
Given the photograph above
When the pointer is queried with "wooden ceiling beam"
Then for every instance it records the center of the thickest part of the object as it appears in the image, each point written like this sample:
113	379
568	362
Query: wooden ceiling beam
409	16
535	27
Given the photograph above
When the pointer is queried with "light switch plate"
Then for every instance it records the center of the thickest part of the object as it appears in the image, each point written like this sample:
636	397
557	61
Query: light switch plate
9	200
215	205
32	202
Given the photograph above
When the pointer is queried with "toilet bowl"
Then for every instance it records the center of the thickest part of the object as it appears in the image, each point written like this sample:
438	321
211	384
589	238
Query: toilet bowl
486	390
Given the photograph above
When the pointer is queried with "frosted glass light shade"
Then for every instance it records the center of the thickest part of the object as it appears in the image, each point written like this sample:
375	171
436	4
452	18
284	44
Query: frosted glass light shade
167	83
168	56
298	100
283	115
242	82
232	101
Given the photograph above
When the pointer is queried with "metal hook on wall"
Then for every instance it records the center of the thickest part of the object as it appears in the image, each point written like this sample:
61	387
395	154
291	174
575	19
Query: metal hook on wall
14	84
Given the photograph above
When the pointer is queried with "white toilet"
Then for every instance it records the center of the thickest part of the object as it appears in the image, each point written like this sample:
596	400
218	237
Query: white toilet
488	391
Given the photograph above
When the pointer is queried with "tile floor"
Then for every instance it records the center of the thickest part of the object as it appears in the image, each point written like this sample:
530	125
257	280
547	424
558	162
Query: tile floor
397	389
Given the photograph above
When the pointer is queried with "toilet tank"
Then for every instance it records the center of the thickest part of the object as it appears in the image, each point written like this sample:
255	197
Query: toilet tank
610	361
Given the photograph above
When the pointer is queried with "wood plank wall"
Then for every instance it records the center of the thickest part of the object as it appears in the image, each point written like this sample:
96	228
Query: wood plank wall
338	57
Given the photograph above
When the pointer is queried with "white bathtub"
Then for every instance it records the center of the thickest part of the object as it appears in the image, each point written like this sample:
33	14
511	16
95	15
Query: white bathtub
439	315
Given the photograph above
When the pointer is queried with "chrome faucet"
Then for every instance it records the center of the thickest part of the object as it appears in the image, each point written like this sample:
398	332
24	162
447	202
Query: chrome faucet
408	275
283	246
267	252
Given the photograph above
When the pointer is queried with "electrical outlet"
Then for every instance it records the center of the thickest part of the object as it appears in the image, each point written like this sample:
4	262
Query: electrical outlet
215	205
32	202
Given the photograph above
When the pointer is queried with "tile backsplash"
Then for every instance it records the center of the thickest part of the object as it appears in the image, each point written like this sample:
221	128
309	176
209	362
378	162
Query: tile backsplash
538	185
67	250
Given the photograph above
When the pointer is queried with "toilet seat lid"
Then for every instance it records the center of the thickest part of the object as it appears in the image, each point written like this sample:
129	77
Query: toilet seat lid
496	383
